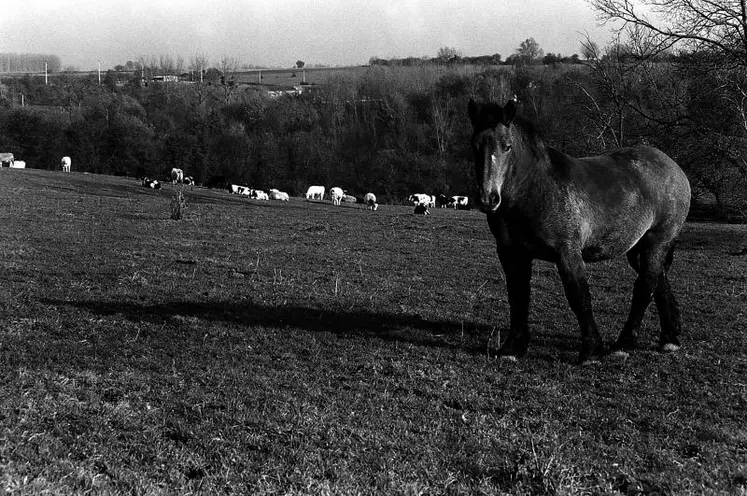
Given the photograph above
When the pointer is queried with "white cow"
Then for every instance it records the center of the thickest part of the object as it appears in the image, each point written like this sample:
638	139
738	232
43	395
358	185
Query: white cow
336	195
279	195
18	164
315	193
177	176
66	162
6	158
370	201
348	198
422	199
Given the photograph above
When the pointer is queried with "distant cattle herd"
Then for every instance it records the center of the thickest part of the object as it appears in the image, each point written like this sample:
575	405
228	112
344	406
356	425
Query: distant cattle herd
421	201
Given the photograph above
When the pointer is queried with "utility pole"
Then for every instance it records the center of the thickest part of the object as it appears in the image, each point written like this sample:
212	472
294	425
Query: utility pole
46	75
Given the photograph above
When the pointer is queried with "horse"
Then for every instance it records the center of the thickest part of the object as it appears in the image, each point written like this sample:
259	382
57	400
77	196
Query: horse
543	204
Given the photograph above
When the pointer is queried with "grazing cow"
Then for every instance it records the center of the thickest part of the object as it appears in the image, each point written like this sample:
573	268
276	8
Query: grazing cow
240	190
421	199
459	202
6	159
348	199
315	193
370	200
279	195
421	209
189	180
65	162
336	194
258	194
151	183
442	201
177	176
18	164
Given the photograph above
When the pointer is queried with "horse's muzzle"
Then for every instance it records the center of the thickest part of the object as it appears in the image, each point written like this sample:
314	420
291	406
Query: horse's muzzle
490	203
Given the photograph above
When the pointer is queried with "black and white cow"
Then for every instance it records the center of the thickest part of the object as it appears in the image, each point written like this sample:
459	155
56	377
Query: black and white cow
151	183
421	209
370	201
459	202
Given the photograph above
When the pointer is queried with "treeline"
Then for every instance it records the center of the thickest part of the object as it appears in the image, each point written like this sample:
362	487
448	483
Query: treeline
389	130
480	60
29	62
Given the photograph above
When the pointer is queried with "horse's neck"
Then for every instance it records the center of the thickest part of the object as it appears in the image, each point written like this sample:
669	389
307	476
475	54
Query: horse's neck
530	175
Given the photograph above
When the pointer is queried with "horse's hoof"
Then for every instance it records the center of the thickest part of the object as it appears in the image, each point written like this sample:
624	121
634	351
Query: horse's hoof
669	348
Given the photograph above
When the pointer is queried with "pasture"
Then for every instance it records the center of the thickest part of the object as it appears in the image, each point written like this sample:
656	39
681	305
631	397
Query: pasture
295	347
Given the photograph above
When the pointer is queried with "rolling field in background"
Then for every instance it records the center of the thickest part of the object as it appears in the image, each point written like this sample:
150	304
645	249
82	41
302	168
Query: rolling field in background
262	347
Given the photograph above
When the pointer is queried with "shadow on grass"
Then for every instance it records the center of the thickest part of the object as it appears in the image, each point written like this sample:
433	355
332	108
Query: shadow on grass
413	329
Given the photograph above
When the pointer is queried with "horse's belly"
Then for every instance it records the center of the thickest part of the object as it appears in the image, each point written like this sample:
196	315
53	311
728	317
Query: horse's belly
600	253
612	243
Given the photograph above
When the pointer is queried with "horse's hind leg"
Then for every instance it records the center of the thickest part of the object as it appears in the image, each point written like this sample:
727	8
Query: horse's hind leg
648	260
669	310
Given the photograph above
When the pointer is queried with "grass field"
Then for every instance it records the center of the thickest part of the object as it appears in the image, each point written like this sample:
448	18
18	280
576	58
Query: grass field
300	348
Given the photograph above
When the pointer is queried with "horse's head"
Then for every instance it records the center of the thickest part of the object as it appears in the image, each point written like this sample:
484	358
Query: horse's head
492	143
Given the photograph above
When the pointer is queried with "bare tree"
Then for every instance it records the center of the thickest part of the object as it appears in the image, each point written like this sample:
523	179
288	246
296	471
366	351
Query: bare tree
589	49
179	64
229	66
715	34
447	53
529	51
719	26
166	64
197	65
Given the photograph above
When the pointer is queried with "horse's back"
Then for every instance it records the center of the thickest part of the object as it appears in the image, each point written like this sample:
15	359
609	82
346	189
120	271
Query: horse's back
644	172
619	196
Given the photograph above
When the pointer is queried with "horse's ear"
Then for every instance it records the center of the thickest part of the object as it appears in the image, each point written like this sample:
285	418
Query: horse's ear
472	110
509	112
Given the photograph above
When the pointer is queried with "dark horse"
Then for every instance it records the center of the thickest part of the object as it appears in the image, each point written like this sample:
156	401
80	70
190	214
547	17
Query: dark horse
541	203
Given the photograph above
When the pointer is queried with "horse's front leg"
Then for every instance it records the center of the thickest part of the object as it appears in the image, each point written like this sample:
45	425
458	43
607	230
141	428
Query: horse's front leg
517	267
572	271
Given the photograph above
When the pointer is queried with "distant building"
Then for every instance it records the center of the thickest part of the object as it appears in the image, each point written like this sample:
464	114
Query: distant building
165	79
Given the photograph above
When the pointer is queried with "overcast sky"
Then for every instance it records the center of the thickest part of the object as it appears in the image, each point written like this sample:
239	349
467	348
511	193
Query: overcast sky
277	33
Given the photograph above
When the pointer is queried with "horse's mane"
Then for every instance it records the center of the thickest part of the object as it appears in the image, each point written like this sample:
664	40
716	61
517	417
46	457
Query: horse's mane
531	135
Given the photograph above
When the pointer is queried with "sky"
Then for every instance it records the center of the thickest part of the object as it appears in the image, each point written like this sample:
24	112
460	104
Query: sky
277	33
